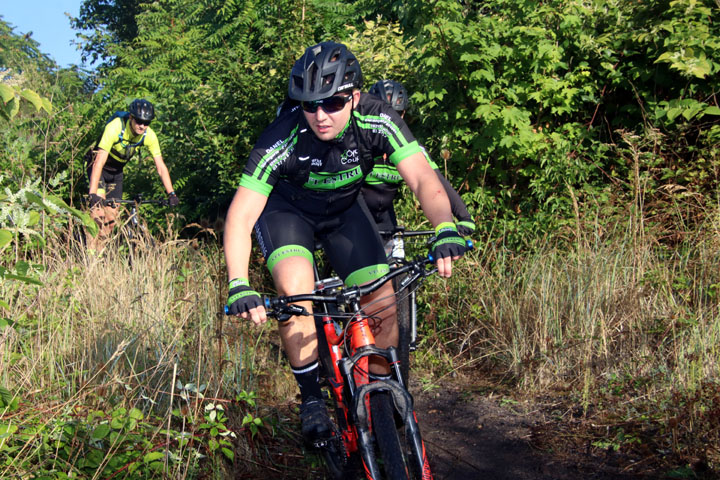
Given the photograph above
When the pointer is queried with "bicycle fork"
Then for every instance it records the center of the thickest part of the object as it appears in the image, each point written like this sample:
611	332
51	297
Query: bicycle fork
354	371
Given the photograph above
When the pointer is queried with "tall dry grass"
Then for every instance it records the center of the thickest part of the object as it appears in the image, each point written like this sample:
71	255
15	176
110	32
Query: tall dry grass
615	321
103	333
618	322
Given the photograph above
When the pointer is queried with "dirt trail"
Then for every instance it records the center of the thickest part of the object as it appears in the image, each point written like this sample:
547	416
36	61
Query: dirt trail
471	436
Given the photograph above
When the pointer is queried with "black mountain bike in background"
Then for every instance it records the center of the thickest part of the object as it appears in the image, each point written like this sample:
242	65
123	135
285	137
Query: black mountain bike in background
133	229
413	242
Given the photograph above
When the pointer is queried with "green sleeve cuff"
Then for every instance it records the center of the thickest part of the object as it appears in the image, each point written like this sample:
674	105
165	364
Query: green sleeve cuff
239	282
467	223
444	227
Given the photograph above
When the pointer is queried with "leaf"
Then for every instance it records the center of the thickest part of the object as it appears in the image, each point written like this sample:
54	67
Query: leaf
33	98
24	279
228	453
101	431
153	456
712	110
7	93
11	108
46	105
6	237
32	198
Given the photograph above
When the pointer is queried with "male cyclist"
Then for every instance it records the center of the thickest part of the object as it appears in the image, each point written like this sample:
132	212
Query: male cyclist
301	183
383	183
105	163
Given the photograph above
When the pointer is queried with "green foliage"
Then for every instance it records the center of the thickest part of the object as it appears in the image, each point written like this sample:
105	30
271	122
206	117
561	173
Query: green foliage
527	98
90	443
31	213
11	98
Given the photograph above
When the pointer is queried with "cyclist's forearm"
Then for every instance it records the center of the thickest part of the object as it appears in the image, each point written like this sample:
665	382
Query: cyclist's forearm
244	211
237	244
424	183
433	200
97	166
459	210
164	173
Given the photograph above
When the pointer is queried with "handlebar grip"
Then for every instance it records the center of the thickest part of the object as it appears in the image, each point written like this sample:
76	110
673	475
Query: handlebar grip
227	310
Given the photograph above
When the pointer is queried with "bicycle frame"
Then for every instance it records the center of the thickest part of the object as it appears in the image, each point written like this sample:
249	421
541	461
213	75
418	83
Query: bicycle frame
399	233
134	203
133	220
351	349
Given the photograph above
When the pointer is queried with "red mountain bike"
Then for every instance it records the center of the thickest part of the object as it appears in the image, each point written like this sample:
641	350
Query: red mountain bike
376	426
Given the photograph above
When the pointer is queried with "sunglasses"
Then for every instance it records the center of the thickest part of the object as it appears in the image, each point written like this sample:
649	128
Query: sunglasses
329	105
142	122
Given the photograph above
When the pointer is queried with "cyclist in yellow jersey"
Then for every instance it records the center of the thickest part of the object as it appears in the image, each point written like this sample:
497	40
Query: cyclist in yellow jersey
121	139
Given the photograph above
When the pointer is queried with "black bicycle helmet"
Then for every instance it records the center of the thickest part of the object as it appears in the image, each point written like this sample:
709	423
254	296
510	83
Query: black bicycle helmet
142	110
324	70
392	92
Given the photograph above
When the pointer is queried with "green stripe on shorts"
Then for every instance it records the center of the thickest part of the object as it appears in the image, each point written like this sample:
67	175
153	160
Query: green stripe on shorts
286	252
367	274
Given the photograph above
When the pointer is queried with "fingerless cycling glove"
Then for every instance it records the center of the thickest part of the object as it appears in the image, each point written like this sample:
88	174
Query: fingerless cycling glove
466	227
448	243
241	298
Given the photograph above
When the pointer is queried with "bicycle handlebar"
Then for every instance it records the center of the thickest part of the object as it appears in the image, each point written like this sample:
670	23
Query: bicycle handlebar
277	306
400	230
113	201
137	200
284	305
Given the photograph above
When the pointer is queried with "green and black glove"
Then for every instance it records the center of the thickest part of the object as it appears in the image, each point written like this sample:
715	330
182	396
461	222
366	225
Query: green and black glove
241	298
466	227
448	242
95	200
173	199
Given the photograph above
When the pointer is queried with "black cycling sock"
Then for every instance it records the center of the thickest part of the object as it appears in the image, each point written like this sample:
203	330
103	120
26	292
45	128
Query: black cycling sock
308	380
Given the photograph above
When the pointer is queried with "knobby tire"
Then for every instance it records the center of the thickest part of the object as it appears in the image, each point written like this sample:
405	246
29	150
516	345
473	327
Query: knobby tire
390	451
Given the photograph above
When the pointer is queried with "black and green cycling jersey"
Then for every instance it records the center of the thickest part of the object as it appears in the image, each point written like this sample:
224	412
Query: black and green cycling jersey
335	174
382	185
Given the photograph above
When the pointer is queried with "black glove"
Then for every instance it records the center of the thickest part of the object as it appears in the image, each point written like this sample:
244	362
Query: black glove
173	199
95	200
241	298
466	227
448	242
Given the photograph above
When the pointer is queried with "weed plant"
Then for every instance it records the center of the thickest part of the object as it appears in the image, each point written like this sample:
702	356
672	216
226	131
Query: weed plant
112	369
622	325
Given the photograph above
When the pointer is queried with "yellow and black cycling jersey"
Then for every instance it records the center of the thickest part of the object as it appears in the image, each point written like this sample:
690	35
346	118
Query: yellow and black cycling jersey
119	140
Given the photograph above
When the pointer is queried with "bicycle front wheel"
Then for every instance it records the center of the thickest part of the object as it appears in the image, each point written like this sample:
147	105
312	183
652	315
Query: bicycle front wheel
401	451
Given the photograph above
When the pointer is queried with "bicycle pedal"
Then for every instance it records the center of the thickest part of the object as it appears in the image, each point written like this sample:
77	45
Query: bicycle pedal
321	443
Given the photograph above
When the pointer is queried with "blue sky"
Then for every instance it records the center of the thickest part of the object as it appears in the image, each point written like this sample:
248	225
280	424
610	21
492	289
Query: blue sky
48	23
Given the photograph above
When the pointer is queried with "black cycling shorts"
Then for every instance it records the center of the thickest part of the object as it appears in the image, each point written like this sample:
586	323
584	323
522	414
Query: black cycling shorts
349	239
111	180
